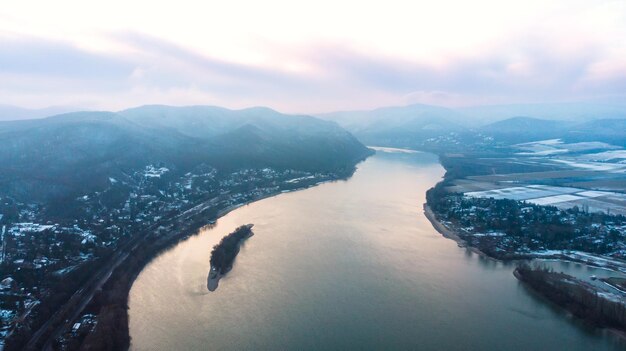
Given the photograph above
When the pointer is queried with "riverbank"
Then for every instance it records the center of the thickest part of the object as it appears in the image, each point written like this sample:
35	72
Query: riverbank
441	228
110	303
573	256
451	234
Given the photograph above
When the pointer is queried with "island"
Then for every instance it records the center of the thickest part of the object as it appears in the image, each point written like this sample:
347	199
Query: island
224	253
593	304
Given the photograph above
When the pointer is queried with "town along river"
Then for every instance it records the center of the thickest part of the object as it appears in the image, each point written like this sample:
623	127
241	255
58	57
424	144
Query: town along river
347	265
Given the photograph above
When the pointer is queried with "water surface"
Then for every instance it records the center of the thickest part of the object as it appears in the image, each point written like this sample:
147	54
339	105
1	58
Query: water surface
347	265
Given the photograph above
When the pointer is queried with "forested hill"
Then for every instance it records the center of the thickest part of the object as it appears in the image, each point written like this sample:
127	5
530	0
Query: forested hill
76	153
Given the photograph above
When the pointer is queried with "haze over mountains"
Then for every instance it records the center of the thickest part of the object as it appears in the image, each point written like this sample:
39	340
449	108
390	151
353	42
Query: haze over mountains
78	152
513	123
82	150
75	153
12	113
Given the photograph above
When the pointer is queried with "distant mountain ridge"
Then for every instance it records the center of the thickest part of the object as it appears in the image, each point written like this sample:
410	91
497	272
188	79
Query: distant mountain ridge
15	113
414	120
572	111
608	130
415	124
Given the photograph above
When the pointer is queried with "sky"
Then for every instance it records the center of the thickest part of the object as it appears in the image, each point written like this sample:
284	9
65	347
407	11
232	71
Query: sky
310	56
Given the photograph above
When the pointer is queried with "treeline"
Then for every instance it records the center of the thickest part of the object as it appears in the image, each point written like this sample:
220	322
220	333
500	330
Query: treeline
224	253
581	299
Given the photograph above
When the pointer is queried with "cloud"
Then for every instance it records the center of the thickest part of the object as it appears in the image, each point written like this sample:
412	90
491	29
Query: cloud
140	69
38	57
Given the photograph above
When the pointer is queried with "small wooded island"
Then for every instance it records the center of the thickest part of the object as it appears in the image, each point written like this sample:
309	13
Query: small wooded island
224	253
593	304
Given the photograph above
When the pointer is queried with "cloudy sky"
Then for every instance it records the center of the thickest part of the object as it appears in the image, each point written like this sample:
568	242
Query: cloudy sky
311	56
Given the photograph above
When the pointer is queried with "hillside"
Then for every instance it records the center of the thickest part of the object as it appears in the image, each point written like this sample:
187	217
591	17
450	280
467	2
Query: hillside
612	131
399	122
520	129
577	112
72	154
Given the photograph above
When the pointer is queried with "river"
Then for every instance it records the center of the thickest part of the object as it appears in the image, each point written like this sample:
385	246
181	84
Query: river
347	265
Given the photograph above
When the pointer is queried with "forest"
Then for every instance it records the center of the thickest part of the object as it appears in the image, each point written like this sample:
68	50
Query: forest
224	253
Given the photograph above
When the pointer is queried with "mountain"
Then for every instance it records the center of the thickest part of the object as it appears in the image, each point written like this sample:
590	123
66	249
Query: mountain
399	122
521	129
255	136
14	113
76	153
608	130
439	128
574	111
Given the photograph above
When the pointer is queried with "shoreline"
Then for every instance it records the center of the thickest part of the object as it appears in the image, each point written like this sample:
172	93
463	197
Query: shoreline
213	281
450	234
614	266
441	228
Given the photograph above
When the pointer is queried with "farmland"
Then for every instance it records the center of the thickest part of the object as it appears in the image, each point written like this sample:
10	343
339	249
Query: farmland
590	176
560	197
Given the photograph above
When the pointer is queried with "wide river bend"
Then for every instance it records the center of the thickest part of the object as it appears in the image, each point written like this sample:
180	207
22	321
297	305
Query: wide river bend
347	265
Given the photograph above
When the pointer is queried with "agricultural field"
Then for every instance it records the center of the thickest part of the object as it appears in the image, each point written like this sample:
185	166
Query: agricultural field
560	197
590	175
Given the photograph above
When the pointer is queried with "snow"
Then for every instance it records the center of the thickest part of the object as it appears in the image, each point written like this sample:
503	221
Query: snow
523	192
295	180
154	172
606	155
5	315
592	193
556	146
550	142
594	166
554	199
6	283
548	252
611	297
22	228
490	234
393	150
543	152
598	261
